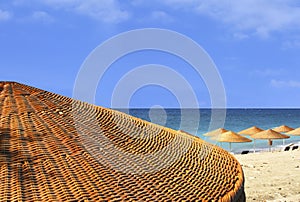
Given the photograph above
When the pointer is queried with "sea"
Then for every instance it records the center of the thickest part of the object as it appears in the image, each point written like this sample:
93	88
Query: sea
199	121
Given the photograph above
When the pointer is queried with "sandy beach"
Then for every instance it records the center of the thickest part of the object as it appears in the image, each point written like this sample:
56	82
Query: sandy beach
272	176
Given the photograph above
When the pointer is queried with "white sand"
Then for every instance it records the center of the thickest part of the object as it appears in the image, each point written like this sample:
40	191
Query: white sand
272	176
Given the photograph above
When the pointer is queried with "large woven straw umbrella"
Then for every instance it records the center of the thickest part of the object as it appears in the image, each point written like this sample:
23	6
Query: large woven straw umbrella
294	132
269	135
230	137
250	131
215	132
283	129
54	148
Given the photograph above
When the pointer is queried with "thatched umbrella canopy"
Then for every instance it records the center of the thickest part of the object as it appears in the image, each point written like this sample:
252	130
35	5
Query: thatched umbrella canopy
283	129
250	131
55	148
269	135
294	132
230	137
215	132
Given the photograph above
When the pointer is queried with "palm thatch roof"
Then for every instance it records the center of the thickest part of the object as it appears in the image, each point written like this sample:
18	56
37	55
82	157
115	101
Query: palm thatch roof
250	131
215	132
283	129
294	132
269	134
230	136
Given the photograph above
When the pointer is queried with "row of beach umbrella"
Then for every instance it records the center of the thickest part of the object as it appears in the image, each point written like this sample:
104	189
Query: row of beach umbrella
223	135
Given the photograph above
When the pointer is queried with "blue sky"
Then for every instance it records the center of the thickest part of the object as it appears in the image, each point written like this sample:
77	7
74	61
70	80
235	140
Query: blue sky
255	45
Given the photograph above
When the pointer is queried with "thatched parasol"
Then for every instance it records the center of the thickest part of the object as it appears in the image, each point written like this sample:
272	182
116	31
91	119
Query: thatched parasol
55	148
250	131
230	137
283	129
215	132
294	132
269	135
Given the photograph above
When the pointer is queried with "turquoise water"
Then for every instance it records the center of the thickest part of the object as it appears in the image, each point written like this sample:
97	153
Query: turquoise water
235	120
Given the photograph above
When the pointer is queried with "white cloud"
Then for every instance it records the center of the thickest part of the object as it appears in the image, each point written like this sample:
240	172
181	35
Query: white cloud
5	15
244	17
161	16
260	17
103	10
42	16
268	72
282	83
240	35
295	43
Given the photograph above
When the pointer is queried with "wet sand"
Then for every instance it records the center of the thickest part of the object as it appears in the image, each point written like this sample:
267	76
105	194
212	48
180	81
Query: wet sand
272	176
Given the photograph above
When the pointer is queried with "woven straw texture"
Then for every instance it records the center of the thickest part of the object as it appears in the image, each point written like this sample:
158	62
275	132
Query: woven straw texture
47	156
